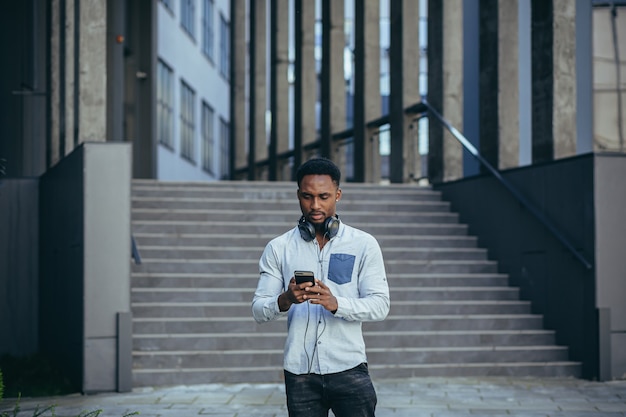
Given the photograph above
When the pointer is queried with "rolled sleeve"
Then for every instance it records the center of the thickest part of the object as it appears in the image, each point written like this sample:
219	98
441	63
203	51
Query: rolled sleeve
270	286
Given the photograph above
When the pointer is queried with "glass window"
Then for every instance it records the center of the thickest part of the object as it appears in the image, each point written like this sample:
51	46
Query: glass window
168	4
208	138
165	105
187	122
188	16
207	29
224	48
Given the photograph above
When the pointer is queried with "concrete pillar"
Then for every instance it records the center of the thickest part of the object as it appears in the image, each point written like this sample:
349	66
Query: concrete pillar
524	49
72	30
337	78
65	32
564	78
238	82
411	91
91	78
584	76
279	96
117	23
508	81
308	74
367	100
372	102
78	62
333	101
305	85
452	86
258	84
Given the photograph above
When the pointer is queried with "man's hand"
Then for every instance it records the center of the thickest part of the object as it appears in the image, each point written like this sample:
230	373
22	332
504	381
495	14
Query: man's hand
321	294
295	294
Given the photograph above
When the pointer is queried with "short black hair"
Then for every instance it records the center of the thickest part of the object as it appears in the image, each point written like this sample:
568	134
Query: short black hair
319	166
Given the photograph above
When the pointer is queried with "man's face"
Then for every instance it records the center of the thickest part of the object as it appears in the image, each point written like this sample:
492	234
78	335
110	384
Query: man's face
318	196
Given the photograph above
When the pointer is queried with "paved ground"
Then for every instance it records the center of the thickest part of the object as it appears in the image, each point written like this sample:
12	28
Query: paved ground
432	397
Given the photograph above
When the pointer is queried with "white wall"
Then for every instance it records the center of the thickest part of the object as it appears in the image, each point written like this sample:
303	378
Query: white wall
106	261
184	55
610	199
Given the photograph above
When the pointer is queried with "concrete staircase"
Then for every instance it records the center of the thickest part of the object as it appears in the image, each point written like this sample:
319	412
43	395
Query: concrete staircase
452	313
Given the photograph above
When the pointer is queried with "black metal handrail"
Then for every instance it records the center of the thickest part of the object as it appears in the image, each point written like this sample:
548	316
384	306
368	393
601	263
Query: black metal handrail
134	250
518	196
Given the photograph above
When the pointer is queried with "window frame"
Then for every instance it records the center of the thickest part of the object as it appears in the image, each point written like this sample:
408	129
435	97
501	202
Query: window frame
224	64
188	17
224	133
208	29
187	122
208	138
165	105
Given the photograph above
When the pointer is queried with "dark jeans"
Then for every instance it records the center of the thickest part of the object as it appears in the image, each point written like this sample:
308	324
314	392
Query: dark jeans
349	394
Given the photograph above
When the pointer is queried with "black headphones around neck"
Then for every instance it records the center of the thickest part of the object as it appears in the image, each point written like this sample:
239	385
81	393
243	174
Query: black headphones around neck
307	229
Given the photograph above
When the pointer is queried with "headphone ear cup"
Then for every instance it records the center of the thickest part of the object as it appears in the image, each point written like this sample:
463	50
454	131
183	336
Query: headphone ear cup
331	227
307	230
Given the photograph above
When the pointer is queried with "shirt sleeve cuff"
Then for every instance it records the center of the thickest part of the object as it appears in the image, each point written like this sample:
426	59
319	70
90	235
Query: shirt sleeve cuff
270	309
341	302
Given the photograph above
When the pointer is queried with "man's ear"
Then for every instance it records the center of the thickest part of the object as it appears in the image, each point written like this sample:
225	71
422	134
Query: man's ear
338	195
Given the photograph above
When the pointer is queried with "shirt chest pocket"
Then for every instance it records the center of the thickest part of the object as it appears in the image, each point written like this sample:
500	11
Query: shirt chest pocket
340	268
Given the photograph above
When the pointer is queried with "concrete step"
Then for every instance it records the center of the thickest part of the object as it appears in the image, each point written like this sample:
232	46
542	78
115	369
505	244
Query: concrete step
440	267
276	228
200	203
287	217
274	374
242	308
452	312
250	266
244	280
203	324
190	359
562	369
260	240
373	339
272	191
245	252
164	297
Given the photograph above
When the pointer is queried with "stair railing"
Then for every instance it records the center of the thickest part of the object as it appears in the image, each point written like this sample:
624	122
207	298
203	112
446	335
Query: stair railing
134	251
514	191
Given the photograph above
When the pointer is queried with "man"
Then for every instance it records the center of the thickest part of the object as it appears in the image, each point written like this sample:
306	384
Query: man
325	364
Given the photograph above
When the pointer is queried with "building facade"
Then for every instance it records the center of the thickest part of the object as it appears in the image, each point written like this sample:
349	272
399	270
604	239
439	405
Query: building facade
203	90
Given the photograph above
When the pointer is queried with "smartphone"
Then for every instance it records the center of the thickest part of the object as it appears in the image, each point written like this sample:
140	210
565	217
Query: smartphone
304	276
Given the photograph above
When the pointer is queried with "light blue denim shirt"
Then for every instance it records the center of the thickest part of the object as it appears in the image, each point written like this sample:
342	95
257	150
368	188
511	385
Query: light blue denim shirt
351	265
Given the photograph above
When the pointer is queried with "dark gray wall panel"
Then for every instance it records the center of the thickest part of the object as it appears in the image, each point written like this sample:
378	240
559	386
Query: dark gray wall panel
19	269
559	286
